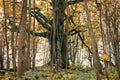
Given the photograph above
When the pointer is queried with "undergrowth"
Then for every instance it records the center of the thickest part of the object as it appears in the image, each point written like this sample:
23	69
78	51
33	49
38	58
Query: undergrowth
75	72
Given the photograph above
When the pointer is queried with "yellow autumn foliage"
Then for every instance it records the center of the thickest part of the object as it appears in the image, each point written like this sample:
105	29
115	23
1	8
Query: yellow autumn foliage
104	57
10	9
88	41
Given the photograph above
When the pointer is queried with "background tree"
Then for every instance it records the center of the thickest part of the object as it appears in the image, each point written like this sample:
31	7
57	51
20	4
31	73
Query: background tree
12	38
96	61
5	33
1	50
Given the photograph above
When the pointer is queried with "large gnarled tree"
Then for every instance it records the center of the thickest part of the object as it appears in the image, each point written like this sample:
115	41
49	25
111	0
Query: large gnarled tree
56	30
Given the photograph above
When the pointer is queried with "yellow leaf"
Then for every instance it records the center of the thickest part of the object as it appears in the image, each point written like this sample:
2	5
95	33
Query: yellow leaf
88	41
104	57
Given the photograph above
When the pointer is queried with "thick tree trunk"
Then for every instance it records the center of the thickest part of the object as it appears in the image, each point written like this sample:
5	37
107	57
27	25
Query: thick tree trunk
21	48
64	55
58	32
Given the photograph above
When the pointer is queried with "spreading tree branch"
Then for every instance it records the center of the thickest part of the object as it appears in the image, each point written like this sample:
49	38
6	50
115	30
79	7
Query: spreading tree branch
37	11
45	22
40	34
74	31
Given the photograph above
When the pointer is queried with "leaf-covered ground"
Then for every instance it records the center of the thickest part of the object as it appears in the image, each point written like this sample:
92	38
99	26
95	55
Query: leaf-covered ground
73	73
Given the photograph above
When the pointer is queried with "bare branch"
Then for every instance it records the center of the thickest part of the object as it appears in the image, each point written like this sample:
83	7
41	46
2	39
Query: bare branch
43	20
82	40
43	23
40	34
74	31
37	12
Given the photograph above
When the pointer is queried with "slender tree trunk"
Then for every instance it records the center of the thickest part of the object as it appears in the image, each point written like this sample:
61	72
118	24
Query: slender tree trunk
1	54
93	44
21	68
28	38
54	29
5	32
3	46
12	39
34	44
34	55
101	28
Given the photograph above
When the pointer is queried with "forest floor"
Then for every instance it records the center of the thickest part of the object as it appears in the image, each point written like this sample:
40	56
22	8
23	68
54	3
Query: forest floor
73	73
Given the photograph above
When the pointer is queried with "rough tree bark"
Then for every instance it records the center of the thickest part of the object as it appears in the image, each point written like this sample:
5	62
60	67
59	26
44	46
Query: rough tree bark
21	48
58	30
